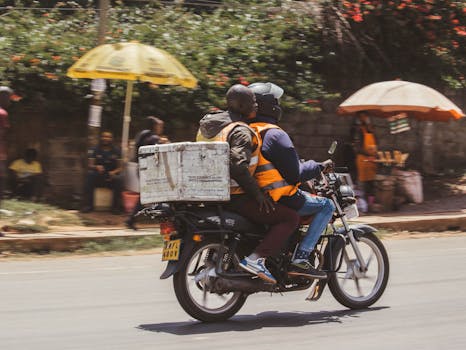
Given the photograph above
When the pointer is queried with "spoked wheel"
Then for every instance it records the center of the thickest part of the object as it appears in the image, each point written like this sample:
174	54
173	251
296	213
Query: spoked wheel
192	285
351	285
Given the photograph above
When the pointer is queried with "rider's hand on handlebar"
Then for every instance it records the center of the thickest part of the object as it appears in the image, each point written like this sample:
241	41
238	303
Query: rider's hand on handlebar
266	203
327	165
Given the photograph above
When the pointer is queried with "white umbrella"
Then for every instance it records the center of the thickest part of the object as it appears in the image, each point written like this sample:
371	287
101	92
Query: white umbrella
386	98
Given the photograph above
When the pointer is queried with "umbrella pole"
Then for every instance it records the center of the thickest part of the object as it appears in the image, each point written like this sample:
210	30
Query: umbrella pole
126	120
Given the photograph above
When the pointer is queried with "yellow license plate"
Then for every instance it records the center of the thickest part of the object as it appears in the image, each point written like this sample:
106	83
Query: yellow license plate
171	250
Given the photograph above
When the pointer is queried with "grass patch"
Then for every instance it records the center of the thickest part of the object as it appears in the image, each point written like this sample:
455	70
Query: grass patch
40	215
120	244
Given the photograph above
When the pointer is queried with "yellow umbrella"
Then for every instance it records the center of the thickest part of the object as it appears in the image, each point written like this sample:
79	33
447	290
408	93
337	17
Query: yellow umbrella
131	61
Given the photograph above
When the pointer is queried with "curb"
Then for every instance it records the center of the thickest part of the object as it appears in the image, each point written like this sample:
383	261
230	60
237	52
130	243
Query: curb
437	225
63	243
71	241
424	223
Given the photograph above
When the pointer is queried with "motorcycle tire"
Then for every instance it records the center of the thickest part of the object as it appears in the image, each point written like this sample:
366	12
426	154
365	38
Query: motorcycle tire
336	283
188	302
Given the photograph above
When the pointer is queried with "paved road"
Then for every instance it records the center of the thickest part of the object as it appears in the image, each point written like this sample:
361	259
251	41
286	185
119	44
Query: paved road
119	303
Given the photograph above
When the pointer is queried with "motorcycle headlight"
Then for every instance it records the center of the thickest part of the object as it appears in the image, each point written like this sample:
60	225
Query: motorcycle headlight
346	191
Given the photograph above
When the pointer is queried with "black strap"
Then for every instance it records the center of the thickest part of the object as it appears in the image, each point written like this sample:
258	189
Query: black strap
277	184
265	167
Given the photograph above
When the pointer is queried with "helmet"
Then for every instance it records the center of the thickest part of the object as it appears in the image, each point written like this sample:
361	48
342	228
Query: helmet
241	100
267	96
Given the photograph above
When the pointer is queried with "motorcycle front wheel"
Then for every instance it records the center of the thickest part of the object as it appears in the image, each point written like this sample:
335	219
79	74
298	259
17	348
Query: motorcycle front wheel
350	285
192	281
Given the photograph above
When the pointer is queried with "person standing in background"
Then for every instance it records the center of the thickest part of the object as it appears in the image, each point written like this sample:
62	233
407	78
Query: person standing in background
365	147
151	135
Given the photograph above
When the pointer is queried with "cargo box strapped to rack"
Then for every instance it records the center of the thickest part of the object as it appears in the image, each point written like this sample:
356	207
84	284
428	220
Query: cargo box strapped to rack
184	171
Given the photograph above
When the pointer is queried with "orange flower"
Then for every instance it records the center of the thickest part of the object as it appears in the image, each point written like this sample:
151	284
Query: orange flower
56	58
461	30
17	58
34	60
357	17
434	17
75	58
51	76
82	49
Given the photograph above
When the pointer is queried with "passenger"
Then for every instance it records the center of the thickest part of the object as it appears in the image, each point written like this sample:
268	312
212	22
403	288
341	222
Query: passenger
280	172
247	199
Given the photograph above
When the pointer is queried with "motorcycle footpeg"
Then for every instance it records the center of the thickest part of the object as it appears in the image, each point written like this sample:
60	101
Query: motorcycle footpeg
317	288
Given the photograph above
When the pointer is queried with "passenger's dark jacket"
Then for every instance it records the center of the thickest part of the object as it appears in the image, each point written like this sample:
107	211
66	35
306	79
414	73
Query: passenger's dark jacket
278	148
241	147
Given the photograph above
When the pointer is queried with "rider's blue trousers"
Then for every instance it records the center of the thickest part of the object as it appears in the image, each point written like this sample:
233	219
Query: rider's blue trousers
322	208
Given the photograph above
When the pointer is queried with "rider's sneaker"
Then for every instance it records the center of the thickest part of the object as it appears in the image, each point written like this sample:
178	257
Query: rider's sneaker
304	268
257	267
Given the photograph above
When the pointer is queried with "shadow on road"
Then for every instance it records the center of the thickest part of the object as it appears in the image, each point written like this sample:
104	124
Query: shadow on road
244	323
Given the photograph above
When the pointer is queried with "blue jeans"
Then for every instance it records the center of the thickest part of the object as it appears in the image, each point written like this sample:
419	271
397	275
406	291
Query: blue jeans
322	208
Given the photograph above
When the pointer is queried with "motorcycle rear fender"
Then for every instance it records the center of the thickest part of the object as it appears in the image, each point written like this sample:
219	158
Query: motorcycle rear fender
174	266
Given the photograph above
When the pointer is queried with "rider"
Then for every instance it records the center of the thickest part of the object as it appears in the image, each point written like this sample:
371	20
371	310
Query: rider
247	199
279	173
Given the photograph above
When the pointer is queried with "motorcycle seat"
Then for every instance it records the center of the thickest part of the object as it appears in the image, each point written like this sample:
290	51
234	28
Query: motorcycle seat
208	218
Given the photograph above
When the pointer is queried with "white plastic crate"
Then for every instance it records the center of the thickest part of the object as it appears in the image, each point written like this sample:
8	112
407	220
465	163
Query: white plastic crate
184	171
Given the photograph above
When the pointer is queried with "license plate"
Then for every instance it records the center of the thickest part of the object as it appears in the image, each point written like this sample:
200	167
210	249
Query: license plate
171	250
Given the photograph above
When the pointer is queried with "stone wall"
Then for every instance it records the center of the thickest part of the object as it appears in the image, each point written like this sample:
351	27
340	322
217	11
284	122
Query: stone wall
62	144
445	149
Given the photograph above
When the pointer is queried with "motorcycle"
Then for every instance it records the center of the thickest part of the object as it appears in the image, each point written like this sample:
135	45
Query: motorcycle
204	243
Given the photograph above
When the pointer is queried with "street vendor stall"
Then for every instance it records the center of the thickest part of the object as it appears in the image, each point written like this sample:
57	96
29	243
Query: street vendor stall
397	101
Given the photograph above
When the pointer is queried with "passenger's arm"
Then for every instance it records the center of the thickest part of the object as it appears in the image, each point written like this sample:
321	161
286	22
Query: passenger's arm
240	155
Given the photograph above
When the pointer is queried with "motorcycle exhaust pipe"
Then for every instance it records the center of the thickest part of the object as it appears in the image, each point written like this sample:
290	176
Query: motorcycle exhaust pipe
247	285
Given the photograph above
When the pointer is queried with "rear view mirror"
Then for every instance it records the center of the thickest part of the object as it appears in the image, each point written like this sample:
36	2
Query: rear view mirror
333	148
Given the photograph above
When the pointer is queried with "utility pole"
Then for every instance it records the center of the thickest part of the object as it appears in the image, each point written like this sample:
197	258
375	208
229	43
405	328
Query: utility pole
98	85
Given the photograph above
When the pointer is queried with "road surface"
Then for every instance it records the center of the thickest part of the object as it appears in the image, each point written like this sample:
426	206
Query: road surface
118	302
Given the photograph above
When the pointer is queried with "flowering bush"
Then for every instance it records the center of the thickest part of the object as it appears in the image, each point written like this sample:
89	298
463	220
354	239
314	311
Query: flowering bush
229	45
421	40
352	43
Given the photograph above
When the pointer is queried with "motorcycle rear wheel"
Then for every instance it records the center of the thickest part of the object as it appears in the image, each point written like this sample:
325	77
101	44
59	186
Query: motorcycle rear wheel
196	300
352	287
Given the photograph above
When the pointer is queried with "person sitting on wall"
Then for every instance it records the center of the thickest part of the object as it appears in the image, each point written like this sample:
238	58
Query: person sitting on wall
26	176
105	166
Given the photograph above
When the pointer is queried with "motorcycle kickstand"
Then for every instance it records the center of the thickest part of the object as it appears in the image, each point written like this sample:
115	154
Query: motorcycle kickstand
317	289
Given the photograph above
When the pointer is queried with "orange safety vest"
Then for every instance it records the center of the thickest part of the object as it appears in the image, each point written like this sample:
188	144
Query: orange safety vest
366	168
268	177
223	136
